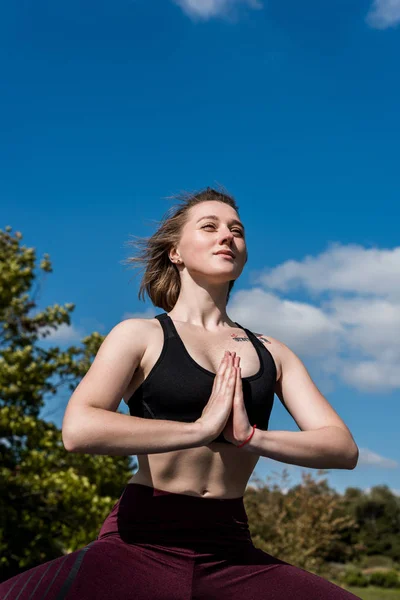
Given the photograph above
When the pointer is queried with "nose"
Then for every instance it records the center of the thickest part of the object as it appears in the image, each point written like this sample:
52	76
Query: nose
226	236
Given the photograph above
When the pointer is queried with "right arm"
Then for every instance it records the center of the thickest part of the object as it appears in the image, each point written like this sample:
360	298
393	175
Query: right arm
91	424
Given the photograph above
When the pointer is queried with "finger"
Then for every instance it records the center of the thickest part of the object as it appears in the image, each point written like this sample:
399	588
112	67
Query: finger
231	382
224	362
220	371
223	373
220	374
228	380
226	370
238	385
221	386
232	375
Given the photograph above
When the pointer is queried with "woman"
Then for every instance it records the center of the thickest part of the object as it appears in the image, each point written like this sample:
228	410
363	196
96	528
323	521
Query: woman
200	390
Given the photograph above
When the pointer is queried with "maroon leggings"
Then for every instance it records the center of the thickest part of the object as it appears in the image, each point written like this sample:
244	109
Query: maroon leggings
156	545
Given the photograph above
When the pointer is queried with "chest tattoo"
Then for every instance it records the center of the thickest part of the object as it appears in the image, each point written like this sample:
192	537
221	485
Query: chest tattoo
238	338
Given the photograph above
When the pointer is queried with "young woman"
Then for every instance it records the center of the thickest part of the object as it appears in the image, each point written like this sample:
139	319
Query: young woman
200	389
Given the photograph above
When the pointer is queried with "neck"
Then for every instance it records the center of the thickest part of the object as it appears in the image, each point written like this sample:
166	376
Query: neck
204	307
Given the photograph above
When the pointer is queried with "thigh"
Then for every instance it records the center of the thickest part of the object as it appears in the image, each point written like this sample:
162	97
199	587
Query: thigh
107	568
256	575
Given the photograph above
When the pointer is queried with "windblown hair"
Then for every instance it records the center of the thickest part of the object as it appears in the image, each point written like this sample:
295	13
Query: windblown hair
161	280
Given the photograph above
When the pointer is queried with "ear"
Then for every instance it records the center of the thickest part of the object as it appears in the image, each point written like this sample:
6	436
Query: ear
174	256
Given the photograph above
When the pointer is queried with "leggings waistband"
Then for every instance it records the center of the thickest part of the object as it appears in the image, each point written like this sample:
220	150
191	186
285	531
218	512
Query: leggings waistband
146	514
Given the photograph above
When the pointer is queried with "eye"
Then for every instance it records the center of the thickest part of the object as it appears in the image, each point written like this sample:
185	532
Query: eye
235	229
208	225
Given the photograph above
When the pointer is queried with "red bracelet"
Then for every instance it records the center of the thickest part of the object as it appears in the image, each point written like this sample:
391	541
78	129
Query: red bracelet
249	438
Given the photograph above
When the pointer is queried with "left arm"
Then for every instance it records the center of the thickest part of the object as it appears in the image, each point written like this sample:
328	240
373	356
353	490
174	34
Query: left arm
324	441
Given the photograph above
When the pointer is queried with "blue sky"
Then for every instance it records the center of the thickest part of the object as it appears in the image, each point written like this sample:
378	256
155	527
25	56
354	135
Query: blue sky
109	108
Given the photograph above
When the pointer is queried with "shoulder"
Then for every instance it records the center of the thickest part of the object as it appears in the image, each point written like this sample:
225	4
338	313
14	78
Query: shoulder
285	359
133	325
278	350
133	333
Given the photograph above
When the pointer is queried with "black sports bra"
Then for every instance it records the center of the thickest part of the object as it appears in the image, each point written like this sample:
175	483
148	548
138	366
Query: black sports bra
178	388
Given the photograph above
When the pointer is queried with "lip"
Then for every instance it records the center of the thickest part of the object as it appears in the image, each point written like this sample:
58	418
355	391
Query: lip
226	253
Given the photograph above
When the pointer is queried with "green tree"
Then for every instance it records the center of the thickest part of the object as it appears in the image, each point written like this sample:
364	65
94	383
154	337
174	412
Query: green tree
51	501
300	526
378	515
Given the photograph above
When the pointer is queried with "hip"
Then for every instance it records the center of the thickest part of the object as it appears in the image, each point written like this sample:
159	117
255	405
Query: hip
145	514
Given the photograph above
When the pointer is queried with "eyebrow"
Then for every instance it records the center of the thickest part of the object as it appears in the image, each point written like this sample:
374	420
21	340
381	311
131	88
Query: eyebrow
216	218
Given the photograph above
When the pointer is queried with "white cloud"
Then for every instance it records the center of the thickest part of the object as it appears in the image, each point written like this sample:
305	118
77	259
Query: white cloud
149	313
71	334
207	9
372	376
384	14
65	334
341	268
369	458
351	327
297	324
371	337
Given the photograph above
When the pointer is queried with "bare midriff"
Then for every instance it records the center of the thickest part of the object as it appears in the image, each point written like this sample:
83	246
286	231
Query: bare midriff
213	471
216	470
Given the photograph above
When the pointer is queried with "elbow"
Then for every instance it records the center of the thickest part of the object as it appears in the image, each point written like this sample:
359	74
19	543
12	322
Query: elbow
352	458
73	431
67	437
69	441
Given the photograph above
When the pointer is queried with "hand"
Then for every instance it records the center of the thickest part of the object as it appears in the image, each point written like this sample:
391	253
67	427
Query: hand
219	406
237	428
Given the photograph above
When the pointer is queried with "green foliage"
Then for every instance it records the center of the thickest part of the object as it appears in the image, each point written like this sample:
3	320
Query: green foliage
378	516
51	501
355	577
386	579
300	526
317	529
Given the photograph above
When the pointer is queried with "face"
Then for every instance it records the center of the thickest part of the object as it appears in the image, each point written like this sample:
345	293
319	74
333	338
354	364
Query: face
212	228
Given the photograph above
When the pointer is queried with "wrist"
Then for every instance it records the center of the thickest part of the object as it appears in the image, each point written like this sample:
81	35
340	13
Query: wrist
201	436
248	438
254	443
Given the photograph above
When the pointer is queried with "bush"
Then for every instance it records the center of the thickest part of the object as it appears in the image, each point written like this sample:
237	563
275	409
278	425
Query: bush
386	579
331	570
355	578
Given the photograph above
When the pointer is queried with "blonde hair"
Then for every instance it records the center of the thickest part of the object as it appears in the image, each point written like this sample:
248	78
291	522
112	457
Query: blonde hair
161	280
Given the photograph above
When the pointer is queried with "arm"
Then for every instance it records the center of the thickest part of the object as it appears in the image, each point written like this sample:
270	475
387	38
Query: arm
324	440
91	424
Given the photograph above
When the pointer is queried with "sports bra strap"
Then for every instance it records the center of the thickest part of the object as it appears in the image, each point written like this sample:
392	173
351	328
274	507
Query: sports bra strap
254	339
169	329
166	325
